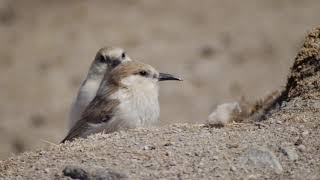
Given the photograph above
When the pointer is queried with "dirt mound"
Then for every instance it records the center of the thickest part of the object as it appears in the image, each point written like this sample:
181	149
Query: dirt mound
304	78
285	145
303	82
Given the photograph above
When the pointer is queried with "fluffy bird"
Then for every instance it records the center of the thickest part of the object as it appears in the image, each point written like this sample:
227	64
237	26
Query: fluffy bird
127	98
106	59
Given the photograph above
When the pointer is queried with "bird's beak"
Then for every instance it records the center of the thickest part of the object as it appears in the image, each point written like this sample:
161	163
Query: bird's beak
166	77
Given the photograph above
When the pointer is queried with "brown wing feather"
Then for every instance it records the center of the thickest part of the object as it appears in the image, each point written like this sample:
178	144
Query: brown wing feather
100	110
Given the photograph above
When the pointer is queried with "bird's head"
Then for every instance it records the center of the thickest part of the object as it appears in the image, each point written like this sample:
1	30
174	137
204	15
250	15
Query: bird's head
136	75
108	58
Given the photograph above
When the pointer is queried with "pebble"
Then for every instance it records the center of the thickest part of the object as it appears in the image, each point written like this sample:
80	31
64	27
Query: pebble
149	147
215	157
232	168
169	144
260	157
19	178
305	133
290	152
76	172
298	142
301	148
168	153
231	146
46	170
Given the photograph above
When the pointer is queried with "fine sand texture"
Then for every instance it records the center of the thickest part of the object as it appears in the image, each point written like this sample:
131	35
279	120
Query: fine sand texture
223	49
284	144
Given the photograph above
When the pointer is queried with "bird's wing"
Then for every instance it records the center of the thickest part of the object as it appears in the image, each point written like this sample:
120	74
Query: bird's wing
98	111
76	107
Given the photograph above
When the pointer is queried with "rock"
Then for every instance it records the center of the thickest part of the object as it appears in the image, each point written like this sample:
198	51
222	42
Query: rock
316	105
107	174
148	147
224	114
47	170
298	142
75	172
290	152
215	158
169	144
168	153
230	146
301	148
232	168
261	158
305	133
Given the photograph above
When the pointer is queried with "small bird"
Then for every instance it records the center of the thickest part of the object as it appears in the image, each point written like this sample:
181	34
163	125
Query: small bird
127	98
106	59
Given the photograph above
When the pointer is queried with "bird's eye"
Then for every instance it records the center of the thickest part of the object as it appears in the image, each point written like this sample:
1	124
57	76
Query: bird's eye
143	73
123	55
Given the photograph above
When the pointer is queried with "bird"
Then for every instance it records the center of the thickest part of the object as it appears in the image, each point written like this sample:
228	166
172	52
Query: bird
127	98
106	59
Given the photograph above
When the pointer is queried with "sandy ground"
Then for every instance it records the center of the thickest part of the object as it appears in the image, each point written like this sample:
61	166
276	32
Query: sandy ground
285	145
223	49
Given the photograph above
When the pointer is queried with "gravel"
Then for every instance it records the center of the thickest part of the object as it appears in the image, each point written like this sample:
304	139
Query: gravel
246	150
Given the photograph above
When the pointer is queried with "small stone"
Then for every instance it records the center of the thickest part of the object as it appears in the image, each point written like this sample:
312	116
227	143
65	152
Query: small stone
168	153
231	146
46	170
290	152
107	174
232	168
18	178
279	122
75	172
149	147
169	144
260	157
298	142
284	104
180	177
301	148
148	164
316	105
305	133
215	158
172	163
260	125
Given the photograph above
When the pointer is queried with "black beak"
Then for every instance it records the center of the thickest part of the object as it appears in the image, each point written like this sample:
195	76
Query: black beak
166	77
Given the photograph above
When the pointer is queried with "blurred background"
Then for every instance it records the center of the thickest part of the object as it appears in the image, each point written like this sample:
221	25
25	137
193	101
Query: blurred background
224	49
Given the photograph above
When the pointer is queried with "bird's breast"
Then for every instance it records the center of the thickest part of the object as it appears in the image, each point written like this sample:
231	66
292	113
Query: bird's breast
137	108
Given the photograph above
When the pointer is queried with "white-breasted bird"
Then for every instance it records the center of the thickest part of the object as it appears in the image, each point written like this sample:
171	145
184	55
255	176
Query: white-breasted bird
106	59
127	98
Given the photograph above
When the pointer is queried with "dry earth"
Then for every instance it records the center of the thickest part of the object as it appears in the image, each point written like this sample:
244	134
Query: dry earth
223	49
283	145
